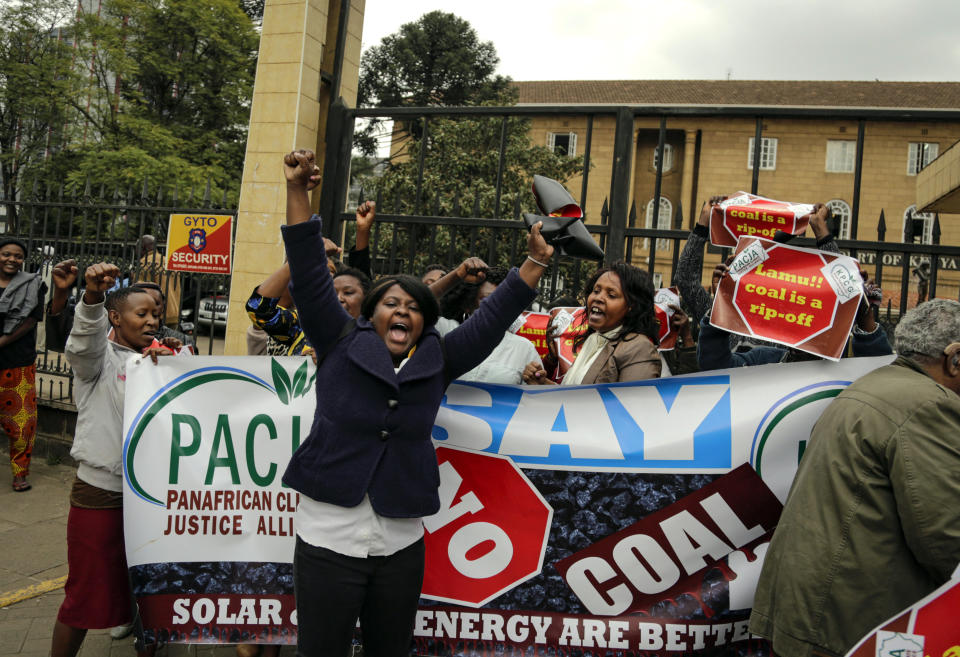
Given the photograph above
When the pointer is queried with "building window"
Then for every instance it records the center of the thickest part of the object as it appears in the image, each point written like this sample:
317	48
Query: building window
922	231
667	157
919	155
663	221
840	155
562	143
768	154
841	211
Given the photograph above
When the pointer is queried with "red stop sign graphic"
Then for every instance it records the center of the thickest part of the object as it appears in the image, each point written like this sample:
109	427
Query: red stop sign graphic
490	533
785	298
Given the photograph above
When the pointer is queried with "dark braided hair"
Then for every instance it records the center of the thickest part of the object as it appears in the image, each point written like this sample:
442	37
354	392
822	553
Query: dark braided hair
638	293
147	285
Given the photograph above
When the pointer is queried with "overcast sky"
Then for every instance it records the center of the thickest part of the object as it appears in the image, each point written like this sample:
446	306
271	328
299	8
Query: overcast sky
703	39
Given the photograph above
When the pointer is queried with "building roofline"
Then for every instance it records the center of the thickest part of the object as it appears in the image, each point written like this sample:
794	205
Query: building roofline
722	106
790	94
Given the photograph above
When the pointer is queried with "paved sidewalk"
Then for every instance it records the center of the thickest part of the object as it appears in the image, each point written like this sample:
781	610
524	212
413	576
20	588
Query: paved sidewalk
33	542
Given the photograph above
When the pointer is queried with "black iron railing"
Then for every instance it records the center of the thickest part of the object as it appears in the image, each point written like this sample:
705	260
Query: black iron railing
414	230
106	226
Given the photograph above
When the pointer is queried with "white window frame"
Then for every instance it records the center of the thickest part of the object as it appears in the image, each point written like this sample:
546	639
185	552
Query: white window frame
667	157
768	154
552	142
664	221
841	210
920	154
926	236
841	156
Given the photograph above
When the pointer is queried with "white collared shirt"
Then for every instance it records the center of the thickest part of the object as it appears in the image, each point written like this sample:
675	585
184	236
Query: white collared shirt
356	531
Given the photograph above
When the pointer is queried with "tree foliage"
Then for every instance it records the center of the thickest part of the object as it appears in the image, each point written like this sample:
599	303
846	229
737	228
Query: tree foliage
461	160
439	60
171	91
253	9
461	168
142	89
37	80
435	60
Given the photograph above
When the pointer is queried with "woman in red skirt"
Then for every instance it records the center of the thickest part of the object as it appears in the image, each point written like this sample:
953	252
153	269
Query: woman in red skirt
98	588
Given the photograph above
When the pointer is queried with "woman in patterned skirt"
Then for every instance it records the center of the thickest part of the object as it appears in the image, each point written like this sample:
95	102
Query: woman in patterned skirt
21	307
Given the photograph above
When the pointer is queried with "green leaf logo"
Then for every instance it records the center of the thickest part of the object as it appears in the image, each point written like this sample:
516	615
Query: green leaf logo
287	391
300	380
281	381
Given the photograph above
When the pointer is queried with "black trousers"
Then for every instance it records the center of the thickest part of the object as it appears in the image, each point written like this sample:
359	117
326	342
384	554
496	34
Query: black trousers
334	590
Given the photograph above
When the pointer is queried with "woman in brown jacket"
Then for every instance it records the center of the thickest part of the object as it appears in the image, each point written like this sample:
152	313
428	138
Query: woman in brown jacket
620	343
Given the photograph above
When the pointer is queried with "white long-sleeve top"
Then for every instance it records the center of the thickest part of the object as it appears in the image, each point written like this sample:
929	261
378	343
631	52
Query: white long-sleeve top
99	370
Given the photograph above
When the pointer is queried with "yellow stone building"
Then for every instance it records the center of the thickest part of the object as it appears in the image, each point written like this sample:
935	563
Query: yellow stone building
809	135
808	147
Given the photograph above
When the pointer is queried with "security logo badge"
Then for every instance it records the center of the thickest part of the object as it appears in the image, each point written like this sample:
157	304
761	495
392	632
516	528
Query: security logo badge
198	240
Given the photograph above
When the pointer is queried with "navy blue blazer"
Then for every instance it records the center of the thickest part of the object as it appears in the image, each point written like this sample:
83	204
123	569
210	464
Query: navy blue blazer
371	431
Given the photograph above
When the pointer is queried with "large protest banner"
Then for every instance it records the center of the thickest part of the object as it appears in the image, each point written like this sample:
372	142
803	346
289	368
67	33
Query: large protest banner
627	516
802	298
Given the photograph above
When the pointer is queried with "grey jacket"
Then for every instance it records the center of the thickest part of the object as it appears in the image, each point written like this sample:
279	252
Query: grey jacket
100	373
19	299
872	522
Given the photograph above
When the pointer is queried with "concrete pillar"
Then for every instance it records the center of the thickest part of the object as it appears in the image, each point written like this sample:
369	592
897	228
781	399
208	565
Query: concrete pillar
297	42
686	181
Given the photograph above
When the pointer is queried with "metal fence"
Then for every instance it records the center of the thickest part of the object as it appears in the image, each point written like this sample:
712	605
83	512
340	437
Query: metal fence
104	225
414	229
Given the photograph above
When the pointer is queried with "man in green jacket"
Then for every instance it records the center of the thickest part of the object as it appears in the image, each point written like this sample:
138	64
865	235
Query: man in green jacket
872	522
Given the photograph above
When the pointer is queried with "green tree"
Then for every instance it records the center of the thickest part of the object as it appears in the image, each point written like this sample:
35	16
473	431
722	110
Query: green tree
439	60
170	94
37	81
436	60
253	9
461	167
461	164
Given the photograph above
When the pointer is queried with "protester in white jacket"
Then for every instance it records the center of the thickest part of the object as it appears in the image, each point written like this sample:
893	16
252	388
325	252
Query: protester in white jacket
97	589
